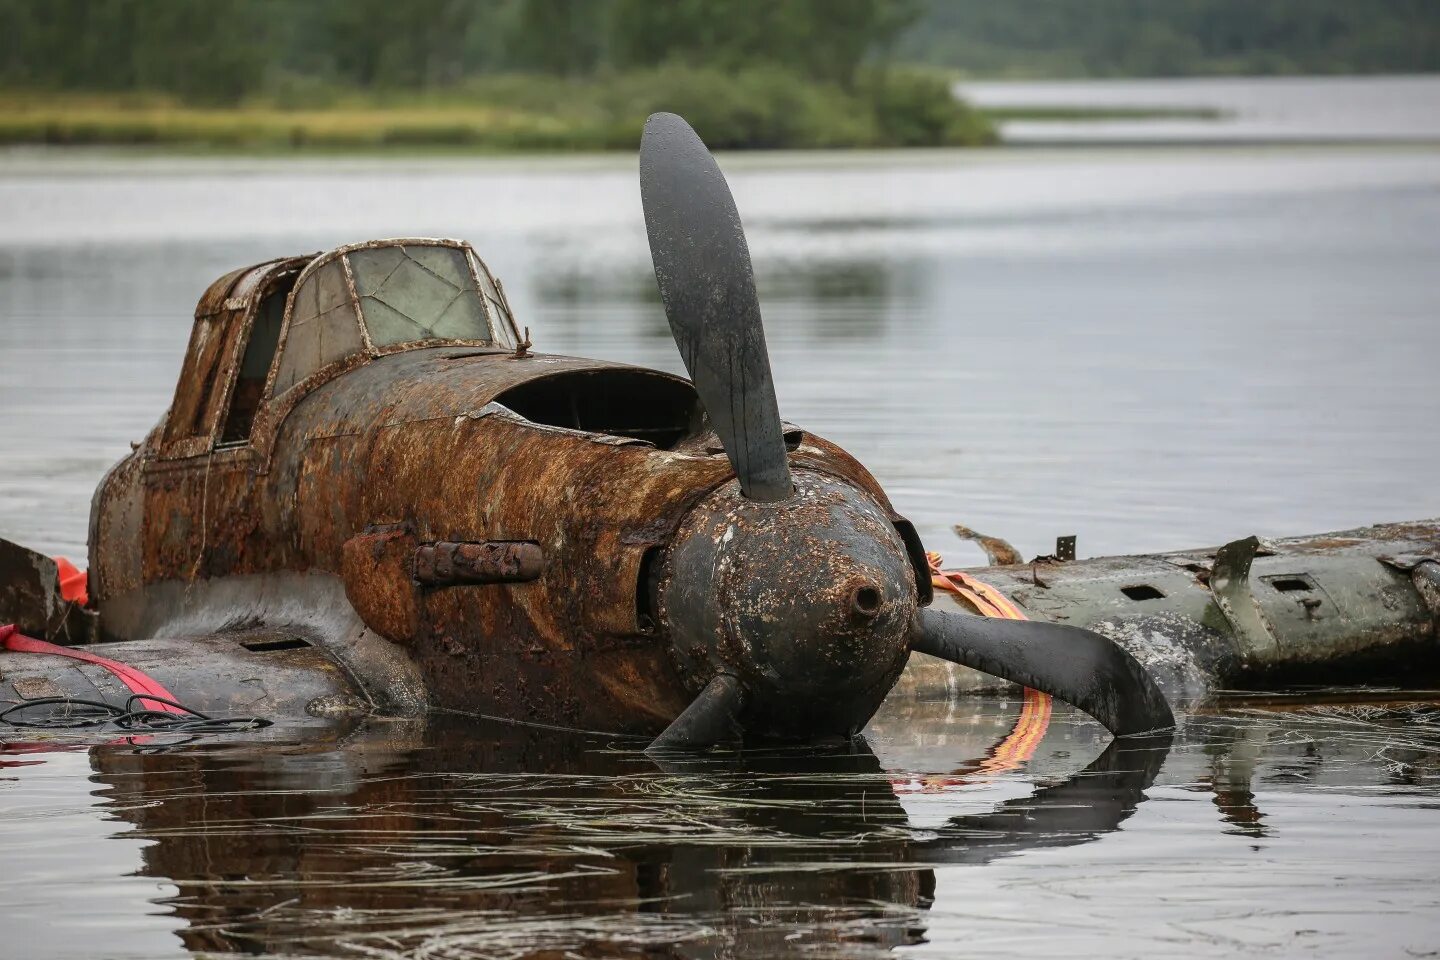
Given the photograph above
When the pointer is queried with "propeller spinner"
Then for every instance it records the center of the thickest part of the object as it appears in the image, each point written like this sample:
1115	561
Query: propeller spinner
814	655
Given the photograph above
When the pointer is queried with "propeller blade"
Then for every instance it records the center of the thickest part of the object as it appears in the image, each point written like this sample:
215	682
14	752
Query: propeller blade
1078	666
702	265
712	717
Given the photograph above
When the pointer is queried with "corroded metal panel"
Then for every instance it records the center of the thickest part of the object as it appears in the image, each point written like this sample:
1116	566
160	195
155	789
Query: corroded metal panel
117	529
29	590
1328	607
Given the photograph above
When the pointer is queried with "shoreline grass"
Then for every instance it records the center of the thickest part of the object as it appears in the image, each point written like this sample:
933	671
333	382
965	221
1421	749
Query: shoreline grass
88	121
761	108
520	115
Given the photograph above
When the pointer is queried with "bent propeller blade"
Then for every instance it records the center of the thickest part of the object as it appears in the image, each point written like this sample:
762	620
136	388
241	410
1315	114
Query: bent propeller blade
712	716
702	265
1077	666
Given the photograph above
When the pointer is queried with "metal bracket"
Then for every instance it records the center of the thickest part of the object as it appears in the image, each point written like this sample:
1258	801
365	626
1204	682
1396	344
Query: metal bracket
1230	586
1065	548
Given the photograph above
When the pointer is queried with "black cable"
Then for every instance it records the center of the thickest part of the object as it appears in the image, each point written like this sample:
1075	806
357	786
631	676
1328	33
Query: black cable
133	717
99	713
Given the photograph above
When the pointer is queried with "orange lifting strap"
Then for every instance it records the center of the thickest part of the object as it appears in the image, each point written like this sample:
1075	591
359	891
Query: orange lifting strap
980	597
1024	738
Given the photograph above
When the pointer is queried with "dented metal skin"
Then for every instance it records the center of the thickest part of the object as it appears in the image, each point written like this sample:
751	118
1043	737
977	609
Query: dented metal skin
353	477
1349	607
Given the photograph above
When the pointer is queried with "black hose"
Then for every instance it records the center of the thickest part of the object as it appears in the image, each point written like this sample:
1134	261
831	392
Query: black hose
133	717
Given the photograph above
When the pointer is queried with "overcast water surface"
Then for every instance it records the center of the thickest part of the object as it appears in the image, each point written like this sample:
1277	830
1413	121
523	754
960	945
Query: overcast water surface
1152	349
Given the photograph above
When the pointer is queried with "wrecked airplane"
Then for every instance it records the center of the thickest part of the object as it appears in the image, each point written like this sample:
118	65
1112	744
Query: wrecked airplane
371	494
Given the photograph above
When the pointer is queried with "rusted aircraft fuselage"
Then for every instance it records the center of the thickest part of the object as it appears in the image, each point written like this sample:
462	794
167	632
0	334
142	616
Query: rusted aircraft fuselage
312	520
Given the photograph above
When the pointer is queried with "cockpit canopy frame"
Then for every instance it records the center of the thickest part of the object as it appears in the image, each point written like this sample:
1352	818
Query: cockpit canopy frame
384	296
265	336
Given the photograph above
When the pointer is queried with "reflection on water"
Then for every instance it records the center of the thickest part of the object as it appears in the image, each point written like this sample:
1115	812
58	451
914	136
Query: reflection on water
455	838
1250	109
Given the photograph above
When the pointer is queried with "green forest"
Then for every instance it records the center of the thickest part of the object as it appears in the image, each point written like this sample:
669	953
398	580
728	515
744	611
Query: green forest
467	74
1167	38
583	74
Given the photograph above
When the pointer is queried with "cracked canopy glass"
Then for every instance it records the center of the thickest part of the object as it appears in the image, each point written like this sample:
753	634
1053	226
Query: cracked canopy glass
412	292
322	327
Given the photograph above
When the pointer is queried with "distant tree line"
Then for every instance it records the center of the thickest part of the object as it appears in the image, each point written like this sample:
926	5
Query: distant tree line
1077	38
224	51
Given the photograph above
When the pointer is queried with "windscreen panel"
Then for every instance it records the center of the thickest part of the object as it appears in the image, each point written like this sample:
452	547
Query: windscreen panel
417	292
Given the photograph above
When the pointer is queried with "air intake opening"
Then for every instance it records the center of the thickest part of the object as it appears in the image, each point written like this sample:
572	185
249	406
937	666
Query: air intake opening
640	404
271	646
647	584
1142	591
1290	584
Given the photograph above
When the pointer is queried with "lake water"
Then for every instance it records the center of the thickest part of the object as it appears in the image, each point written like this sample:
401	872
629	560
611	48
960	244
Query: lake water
1384	109
1152	349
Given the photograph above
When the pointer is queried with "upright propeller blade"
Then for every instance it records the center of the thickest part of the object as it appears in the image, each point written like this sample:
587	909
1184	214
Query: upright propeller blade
702	265
1078	666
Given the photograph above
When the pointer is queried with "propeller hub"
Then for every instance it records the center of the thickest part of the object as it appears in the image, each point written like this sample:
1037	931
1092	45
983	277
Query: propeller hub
807	601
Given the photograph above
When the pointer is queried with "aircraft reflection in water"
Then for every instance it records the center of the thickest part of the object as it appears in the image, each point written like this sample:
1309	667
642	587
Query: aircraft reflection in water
380	839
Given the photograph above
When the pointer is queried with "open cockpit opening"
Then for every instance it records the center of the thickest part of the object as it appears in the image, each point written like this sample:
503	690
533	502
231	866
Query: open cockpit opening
639	404
255	365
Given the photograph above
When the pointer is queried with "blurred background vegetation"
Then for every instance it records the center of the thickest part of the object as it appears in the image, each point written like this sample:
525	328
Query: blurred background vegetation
583	74
1173	38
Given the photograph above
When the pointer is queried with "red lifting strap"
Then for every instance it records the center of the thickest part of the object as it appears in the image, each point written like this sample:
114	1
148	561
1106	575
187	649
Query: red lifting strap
138	682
